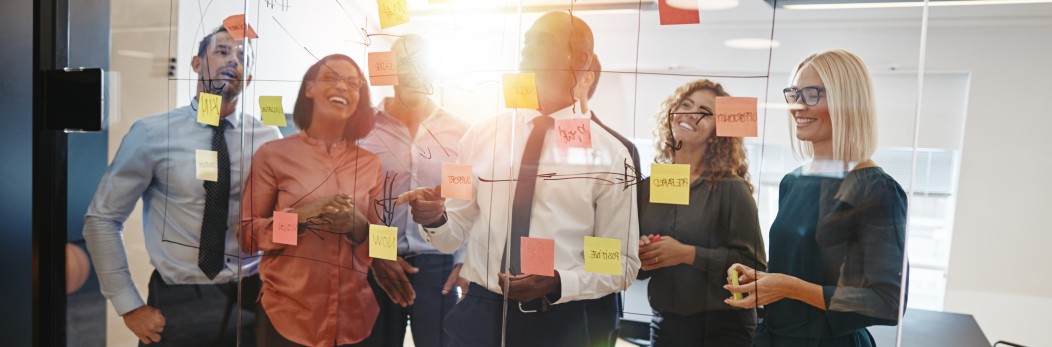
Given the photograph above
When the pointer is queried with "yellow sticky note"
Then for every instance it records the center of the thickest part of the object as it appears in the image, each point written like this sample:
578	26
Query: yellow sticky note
520	90
733	274
208	108
271	111
602	255
207	163
383	242
392	12
670	184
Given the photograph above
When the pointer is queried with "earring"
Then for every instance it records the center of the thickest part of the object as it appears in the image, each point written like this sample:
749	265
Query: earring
710	140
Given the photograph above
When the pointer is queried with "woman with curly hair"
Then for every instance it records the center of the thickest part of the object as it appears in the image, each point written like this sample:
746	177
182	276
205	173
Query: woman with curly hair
685	250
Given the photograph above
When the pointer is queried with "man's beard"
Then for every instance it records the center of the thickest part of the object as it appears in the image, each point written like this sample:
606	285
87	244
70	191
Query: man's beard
222	87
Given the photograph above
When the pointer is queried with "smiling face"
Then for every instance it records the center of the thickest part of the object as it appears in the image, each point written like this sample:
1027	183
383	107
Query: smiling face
687	127
812	122
335	91
219	71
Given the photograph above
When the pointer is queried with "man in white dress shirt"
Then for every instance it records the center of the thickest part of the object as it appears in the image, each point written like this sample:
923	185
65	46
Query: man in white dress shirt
526	186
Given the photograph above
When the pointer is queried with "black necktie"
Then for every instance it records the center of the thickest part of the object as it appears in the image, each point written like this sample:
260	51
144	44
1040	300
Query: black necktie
217	204
522	206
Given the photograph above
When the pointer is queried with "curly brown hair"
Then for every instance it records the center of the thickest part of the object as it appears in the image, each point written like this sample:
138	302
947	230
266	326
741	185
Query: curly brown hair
725	156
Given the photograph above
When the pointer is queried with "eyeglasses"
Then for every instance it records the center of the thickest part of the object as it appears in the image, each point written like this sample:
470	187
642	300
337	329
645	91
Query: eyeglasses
353	83
809	95
695	116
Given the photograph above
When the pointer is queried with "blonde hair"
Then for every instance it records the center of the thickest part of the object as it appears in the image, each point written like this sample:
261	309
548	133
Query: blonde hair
849	96
724	156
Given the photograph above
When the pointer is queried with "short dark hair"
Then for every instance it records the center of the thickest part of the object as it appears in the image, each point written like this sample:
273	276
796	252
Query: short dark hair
596	70
360	123
202	47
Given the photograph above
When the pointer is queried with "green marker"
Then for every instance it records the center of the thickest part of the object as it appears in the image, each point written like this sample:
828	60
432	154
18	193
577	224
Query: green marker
734	280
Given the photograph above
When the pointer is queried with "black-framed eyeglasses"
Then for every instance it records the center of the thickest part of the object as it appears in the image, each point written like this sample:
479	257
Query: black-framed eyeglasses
810	96
696	116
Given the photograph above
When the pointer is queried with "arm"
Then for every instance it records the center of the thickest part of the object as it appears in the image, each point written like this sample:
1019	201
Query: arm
257	208
739	229
616	217
448	230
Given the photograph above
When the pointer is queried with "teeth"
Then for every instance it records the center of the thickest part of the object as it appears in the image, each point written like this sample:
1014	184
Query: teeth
338	100
685	126
805	120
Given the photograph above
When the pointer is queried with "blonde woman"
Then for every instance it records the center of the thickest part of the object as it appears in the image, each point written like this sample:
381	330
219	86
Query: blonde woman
685	250
837	243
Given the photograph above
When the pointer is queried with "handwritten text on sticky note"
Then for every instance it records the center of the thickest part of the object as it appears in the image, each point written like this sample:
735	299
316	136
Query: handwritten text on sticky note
285	228
207	165
456	181
602	255
208	108
271	111
574	132
670	184
670	15
382	69
392	12
238	28
537	256
383	242
520	90
735	116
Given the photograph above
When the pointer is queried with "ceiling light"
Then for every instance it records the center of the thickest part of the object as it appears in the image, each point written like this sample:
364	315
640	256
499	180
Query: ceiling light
752	43
901	4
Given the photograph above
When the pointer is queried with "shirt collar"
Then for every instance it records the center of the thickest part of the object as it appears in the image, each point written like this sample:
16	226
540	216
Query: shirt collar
572	111
234	118
433	117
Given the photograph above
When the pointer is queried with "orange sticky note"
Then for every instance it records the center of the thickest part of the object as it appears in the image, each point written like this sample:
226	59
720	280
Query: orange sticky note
537	256
392	12
673	15
382	69
271	110
735	116
670	184
456	181
383	242
208	108
285	228
520	90
574	132
238	28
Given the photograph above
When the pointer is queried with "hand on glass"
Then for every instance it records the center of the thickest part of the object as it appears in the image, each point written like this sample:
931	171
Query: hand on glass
455	280
528	287
146	322
427	204
390	275
657	252
761	288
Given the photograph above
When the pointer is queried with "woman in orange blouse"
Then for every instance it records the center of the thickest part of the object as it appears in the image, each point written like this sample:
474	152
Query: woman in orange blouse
315	292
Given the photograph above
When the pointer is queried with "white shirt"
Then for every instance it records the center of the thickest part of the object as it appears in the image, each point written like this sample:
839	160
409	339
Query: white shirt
563	210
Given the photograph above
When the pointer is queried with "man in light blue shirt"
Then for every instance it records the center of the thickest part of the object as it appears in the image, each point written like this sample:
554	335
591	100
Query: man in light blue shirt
198	263
413	137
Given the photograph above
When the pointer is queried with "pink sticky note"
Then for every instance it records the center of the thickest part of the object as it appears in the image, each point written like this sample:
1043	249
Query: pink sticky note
574	132
735	116
236	26
285	228
537	256
382	69
456	181
673	15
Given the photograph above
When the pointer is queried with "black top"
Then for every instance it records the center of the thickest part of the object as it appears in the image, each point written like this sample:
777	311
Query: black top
847	235
723	226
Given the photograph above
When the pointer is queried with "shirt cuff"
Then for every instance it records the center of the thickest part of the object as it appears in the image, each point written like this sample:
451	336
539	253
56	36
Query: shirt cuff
127	301
459	255
571	286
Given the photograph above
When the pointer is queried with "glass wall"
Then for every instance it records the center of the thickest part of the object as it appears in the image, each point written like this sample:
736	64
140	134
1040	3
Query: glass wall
544	172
